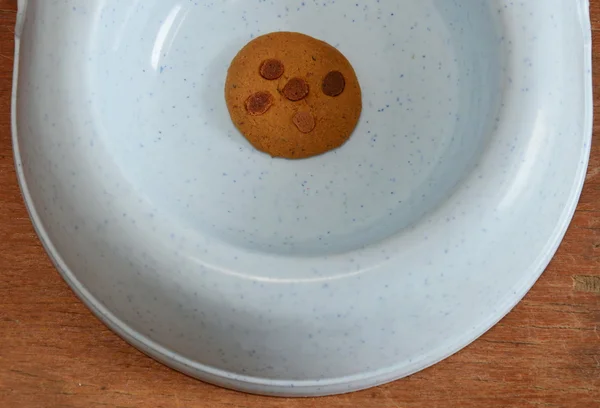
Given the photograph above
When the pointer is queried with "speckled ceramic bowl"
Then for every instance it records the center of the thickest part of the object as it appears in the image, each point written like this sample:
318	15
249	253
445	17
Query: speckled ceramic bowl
307	277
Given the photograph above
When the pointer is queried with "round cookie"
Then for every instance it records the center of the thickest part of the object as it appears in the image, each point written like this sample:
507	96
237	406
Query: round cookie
293	96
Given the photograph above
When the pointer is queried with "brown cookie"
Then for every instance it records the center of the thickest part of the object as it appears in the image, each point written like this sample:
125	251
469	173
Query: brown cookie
293	96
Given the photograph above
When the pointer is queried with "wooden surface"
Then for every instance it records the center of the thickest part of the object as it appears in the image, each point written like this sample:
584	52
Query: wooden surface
54	353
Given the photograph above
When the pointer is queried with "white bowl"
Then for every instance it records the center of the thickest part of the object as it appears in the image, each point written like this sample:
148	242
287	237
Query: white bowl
308	277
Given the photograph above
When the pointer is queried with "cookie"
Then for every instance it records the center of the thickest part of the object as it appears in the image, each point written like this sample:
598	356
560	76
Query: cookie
293	96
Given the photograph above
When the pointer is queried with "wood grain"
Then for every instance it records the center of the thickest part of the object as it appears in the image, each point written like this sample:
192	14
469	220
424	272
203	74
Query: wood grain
54	353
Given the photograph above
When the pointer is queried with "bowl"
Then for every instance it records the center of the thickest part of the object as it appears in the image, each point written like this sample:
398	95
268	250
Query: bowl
317	276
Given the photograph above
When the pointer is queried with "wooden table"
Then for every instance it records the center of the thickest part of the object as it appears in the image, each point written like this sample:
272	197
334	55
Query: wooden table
54	353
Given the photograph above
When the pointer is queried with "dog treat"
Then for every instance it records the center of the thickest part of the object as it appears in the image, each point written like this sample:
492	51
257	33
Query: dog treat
259	103
334	83
271	69
304	121
293	96
296	89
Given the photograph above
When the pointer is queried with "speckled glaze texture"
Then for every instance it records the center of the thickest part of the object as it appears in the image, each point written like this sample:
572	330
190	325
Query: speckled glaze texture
311	277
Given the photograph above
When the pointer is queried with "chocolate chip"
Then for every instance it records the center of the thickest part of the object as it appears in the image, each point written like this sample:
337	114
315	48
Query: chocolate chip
259	103
271	69
296	89
304	121
334	83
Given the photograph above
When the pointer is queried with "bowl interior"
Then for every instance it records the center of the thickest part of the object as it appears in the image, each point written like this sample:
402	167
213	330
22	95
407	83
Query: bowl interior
157	93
